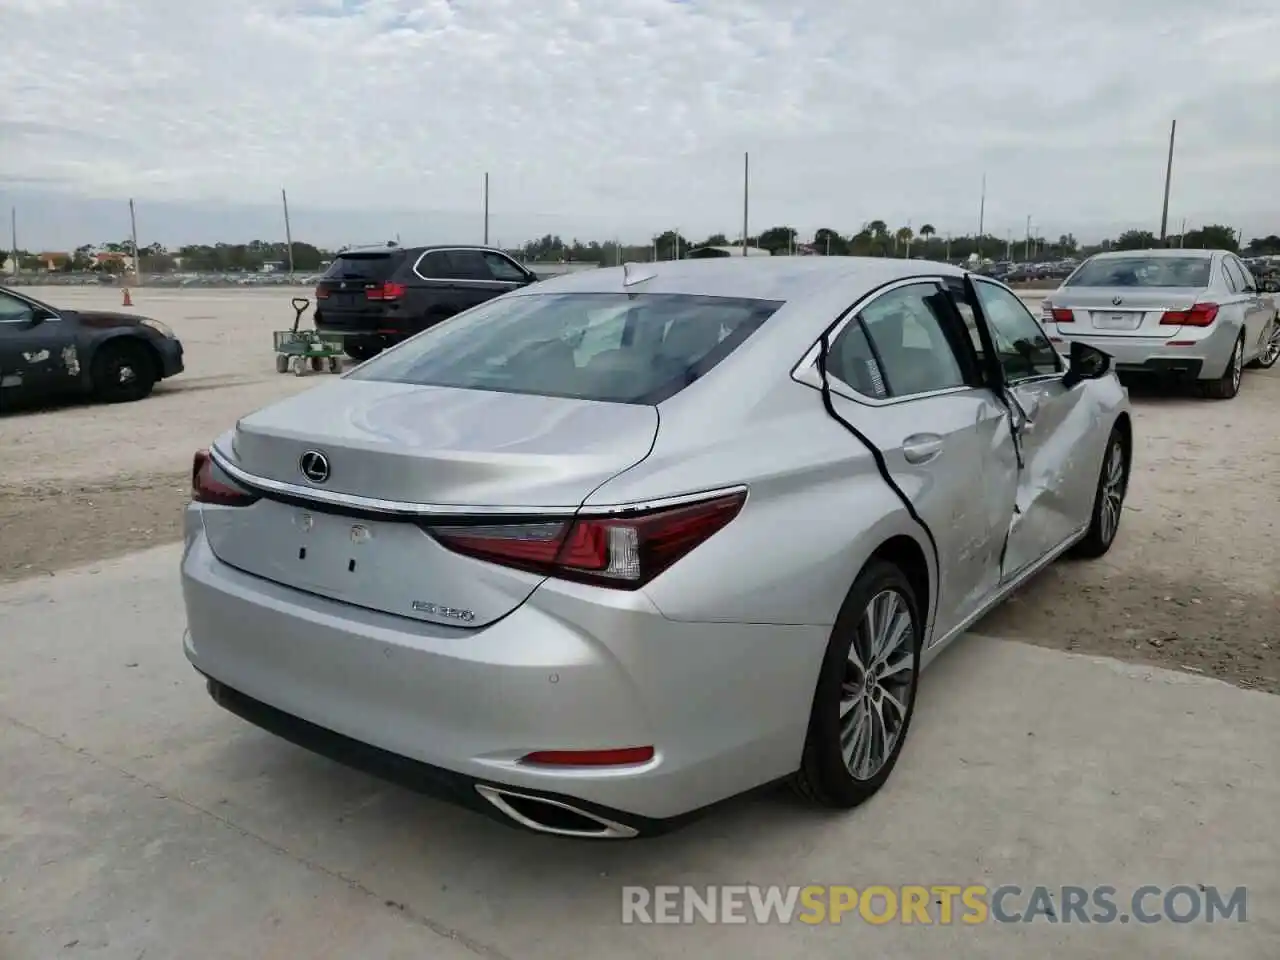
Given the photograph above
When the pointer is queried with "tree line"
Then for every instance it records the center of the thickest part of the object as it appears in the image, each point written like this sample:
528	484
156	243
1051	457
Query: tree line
874	238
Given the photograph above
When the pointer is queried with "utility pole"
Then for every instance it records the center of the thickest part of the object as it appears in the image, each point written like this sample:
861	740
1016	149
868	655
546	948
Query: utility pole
13	236
982	213
1027	254
948	248
137	260
746	189
486	209
1182	234
288	233
1168	176
1008	246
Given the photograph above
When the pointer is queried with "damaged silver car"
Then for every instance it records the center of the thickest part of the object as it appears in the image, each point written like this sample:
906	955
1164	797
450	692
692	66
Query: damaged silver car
599	553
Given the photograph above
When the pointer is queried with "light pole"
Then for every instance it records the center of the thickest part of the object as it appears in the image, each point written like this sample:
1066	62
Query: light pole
1168	177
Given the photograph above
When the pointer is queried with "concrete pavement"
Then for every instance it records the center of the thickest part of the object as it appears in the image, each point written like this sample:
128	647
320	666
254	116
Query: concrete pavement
138	820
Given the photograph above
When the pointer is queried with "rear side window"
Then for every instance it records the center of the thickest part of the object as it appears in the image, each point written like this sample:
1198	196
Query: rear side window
1143	272
637	348
897	347
453	265
1235	274
362	266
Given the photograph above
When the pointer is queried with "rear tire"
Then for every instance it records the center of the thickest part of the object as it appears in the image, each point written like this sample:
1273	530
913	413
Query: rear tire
866	691
123	371
360	352
282	363
1108	500
1228	385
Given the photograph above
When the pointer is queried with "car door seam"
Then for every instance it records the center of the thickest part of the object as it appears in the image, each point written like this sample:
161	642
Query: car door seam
876	453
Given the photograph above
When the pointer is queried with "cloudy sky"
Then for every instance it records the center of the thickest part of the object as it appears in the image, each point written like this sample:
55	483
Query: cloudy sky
601	118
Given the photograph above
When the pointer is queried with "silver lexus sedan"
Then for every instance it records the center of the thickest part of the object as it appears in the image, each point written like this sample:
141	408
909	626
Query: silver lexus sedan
599	553
1198	314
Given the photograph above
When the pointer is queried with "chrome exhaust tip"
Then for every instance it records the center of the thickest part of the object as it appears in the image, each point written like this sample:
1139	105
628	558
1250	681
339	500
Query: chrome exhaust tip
553	816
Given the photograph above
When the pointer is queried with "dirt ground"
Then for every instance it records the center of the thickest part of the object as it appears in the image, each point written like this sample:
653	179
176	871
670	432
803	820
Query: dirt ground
1193	581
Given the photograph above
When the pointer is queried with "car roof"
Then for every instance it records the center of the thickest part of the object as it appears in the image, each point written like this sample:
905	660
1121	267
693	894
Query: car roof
376	249
1158	252
786	279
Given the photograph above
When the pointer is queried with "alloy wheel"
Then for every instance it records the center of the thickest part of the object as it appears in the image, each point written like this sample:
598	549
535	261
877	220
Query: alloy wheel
879	675
1113	484
1237	365
1271	352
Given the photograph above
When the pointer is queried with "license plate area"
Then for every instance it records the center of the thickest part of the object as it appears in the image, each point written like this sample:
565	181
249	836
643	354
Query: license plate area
1117	321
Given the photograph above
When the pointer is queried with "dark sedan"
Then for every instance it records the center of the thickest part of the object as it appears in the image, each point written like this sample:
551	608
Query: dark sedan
47	353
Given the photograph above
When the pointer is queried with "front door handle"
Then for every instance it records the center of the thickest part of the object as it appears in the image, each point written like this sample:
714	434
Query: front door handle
921	447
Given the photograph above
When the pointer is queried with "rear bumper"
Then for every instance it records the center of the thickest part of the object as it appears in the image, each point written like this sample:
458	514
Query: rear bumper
573	668
1188	353
351	324
436	782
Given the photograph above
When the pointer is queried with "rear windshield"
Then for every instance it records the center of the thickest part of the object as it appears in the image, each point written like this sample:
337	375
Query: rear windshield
1143	272
624	348
362	266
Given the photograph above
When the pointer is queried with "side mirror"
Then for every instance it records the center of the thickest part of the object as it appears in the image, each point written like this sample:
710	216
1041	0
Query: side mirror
1086	363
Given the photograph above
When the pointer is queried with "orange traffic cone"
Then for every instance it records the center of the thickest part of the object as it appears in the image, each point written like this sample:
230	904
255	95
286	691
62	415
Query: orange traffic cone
127	301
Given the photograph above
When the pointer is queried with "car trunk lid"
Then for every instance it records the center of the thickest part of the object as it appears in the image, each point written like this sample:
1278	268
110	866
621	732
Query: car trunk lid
1119	311
394	450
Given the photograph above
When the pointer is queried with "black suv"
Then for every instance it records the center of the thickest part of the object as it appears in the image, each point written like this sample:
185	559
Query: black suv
377	297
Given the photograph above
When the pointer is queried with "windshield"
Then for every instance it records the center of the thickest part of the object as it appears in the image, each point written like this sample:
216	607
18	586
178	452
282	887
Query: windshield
1143	272
624	348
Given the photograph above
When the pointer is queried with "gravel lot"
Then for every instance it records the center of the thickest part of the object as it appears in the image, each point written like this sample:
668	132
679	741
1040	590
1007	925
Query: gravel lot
1192	581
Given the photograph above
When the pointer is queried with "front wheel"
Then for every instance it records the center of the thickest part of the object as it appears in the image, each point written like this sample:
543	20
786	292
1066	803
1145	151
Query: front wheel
1271	351
122	372
866	691
1108	500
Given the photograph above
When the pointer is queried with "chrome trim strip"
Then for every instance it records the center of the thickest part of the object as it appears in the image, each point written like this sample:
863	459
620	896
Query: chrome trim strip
421	276
609	830
402	508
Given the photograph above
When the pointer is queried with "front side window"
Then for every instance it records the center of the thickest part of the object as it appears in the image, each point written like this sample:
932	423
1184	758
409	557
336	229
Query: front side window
503	269
1020	343
13	309
614	347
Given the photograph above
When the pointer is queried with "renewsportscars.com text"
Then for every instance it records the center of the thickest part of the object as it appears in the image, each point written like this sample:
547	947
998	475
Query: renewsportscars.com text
939	904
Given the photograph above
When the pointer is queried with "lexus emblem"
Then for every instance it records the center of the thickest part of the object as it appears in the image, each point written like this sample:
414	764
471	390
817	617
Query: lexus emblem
314	466
1116	301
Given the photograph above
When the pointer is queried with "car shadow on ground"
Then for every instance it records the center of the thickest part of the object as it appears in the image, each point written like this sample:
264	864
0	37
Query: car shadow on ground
1151	391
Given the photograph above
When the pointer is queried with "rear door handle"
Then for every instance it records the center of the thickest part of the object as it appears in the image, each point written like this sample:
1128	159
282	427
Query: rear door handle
921	447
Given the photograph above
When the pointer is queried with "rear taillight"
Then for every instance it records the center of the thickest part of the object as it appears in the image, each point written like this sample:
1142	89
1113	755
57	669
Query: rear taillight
1201	315
1062	315
385	291
624	551
322	293
206	488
